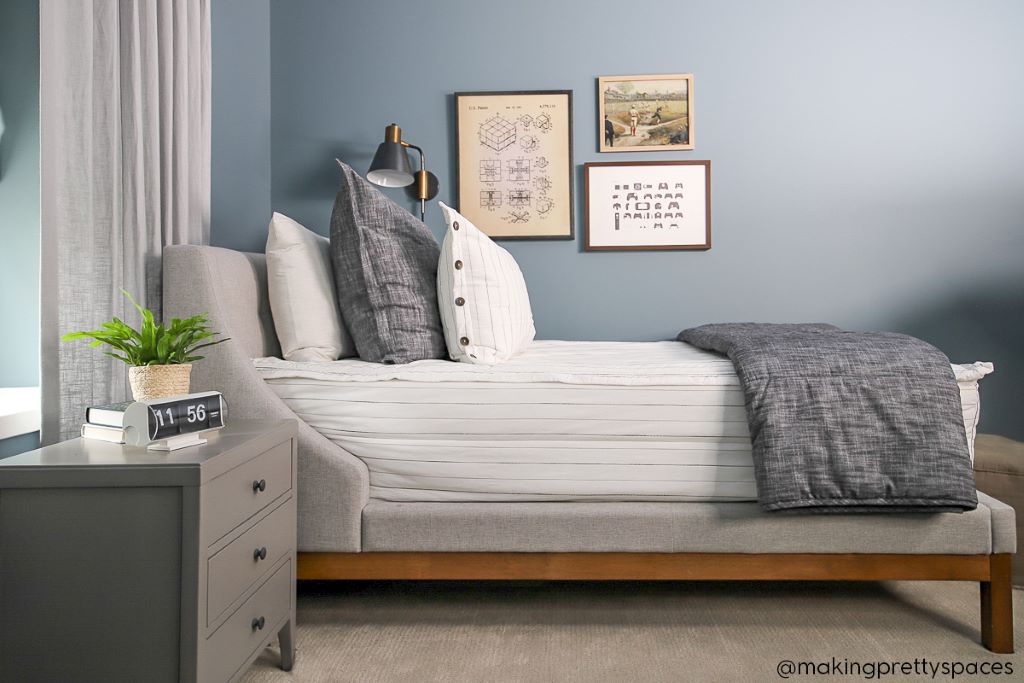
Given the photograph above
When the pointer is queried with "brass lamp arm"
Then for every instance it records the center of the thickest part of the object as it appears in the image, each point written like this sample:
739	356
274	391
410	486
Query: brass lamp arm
423	155
425	185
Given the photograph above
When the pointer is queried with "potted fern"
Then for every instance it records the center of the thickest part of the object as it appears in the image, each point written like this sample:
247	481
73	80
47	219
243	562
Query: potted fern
160	357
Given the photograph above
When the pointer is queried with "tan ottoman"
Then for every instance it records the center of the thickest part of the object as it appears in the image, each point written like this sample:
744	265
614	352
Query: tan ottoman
999	472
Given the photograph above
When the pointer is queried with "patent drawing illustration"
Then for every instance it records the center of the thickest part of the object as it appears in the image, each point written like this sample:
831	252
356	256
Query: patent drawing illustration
528	143
517	217
490	170
519	198
515	164
490	199
498	133
544	205
518	170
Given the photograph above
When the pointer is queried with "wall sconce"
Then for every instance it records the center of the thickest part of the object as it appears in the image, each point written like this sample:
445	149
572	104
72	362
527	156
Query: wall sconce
391	168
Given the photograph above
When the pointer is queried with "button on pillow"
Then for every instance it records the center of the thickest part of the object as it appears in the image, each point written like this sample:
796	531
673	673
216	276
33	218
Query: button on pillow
485	307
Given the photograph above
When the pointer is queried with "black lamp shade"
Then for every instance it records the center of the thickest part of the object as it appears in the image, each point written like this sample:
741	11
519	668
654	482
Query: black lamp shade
390	167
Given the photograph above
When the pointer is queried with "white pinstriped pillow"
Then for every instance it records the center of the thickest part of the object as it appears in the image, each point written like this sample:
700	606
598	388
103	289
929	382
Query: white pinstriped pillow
485	308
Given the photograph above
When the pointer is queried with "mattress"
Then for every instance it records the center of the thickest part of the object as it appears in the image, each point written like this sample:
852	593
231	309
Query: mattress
600	421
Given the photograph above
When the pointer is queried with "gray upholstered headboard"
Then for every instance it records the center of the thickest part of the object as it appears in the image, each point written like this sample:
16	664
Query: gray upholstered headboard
239	282
231	287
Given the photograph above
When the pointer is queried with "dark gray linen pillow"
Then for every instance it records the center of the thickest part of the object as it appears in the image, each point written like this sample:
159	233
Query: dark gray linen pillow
385	269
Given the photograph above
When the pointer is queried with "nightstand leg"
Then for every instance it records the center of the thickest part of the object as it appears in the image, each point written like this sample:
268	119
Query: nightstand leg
286	636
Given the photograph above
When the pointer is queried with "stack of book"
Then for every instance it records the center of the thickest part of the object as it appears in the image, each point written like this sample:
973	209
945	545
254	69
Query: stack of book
105	423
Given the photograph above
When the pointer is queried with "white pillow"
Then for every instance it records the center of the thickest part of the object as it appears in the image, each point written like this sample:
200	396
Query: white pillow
303	301
485	308
967	376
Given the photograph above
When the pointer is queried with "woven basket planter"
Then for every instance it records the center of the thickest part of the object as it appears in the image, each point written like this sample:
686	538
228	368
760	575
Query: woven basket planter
159	381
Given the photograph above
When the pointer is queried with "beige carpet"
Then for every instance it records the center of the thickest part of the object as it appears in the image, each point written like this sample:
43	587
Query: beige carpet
632	632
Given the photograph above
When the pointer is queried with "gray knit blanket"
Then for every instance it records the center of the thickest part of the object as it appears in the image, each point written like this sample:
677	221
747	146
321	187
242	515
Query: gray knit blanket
848	421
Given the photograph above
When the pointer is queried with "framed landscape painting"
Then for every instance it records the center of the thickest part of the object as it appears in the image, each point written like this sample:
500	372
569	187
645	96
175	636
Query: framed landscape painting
515	162
645	113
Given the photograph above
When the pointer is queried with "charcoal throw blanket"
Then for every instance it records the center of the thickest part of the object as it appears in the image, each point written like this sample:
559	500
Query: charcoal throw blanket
848	421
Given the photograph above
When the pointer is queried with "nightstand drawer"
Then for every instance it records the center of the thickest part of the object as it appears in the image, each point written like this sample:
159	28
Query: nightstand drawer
251	627
237	495
248	558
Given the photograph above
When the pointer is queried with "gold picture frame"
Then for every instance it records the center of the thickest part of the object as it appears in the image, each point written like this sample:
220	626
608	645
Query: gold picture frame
515	167
652	113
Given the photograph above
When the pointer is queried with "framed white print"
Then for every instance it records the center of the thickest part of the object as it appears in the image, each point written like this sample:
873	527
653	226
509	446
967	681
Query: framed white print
647	205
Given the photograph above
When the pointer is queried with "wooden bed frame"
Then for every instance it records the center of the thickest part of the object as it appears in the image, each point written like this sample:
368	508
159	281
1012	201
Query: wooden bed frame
993	572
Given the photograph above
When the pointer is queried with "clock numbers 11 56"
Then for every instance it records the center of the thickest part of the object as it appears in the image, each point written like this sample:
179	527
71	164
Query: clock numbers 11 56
196	413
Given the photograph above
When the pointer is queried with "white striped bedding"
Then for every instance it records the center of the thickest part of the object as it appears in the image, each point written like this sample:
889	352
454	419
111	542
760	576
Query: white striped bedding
563	421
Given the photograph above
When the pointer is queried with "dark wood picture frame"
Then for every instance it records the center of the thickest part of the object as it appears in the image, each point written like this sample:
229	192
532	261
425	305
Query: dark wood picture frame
704	246
570	234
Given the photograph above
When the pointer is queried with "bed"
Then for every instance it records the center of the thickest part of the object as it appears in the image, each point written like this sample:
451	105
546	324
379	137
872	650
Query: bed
349	529
564	421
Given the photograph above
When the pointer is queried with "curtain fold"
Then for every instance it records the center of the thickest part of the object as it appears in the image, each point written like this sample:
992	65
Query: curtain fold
125	171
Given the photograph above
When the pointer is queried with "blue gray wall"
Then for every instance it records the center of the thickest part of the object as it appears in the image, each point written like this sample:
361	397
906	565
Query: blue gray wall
867	162
19	202
240	113
19	193
19	444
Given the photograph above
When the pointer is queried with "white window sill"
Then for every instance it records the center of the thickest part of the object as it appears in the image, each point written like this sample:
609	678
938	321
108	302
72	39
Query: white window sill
19	411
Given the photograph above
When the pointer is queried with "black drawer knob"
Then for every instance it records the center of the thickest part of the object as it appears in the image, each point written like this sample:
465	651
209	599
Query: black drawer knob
258	623
260	485
259	554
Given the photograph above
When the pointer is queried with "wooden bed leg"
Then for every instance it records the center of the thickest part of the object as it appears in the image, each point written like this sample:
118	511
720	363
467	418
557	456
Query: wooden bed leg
997	606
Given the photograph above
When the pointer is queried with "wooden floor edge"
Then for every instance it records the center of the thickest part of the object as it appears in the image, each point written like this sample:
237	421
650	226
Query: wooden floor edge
642	566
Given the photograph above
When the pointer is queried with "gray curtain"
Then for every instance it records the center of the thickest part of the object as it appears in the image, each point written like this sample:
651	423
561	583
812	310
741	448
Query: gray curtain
125	165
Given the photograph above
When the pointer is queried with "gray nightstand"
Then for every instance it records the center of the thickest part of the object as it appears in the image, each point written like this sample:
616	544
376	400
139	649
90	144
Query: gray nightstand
120	564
